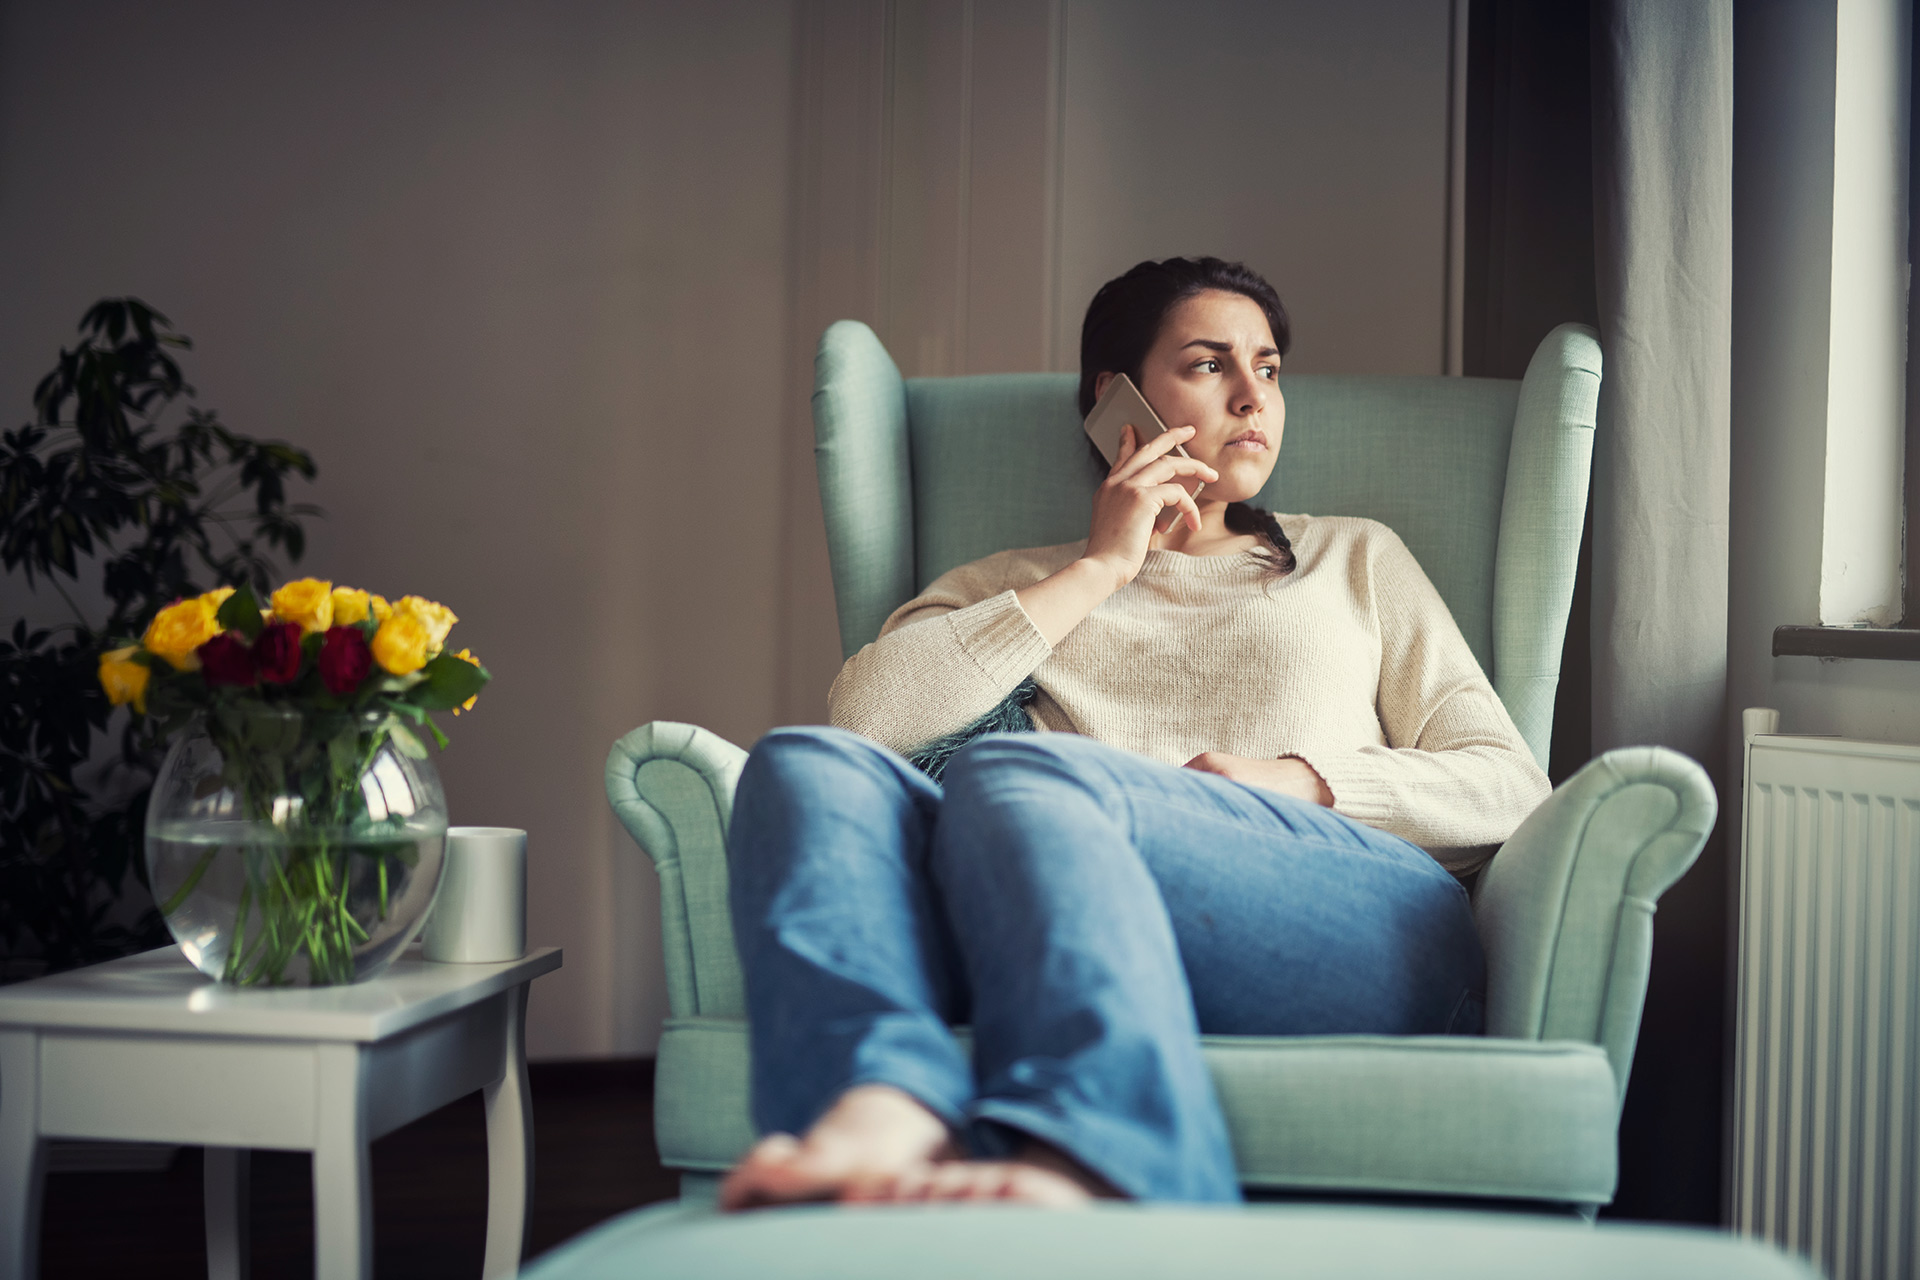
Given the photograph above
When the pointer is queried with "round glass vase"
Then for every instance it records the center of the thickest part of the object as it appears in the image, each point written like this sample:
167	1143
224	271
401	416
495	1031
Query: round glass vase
294	848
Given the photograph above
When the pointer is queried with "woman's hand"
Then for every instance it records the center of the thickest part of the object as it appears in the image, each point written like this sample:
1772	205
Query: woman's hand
1126	509
1289	775
1141	488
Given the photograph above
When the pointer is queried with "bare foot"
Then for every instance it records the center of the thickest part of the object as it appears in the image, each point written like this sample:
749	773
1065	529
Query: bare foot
1041	1175
872	1134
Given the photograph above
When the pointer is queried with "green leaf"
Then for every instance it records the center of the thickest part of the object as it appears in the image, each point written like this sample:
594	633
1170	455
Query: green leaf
343	755
450	681
241	612
268	729
405	738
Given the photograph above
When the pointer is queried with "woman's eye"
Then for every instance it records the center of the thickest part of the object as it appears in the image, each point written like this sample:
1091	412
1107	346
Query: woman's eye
1269	372
1207	366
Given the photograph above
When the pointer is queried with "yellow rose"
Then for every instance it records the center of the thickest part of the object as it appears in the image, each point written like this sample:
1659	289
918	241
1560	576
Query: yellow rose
308	602
350	606
436	618
467	655
217	597
180	628
381	609
124	679
400	645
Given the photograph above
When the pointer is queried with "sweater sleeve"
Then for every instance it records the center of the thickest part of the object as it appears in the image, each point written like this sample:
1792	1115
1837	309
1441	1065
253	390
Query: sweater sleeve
1454	776
943	660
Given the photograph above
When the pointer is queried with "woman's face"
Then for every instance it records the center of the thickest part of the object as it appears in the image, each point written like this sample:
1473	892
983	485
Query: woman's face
1212	367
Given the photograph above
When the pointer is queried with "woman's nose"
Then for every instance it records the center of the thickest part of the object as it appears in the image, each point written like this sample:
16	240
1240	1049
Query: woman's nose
1250	396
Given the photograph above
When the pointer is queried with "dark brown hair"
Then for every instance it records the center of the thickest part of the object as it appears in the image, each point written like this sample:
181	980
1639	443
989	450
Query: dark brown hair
1125	318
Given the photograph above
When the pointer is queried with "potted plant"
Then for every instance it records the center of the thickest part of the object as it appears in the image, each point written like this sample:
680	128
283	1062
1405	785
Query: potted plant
122	493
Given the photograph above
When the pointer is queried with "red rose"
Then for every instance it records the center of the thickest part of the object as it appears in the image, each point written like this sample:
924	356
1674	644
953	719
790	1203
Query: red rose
225	659
345	659
276	652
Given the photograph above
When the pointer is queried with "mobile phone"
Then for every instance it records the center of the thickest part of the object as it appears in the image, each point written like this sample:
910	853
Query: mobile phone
1120	406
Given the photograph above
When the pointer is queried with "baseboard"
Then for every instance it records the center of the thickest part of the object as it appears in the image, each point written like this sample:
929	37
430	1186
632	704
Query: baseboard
68	1156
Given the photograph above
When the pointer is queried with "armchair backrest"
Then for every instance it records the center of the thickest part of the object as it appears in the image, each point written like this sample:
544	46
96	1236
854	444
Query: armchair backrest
1484	479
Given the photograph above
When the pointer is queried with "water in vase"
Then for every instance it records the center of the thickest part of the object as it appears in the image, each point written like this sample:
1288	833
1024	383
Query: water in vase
252	905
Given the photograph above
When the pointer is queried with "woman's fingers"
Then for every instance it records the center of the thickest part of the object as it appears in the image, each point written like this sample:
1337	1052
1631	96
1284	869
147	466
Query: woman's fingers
1168	466
1132	460
1176	499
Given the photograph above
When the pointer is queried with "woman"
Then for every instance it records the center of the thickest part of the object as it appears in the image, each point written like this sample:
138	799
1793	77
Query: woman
1270	746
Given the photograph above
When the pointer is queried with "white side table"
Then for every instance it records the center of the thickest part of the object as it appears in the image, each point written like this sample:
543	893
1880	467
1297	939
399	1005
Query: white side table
146	1049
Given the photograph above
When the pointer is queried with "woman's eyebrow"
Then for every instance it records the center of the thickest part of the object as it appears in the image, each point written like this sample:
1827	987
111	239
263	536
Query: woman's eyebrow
1226	348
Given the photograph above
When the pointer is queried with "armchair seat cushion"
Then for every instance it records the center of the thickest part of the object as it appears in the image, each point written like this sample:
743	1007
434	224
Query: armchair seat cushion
1423	1115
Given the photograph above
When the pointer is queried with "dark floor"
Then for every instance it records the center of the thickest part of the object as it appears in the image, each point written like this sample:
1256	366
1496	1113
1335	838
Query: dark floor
594	1157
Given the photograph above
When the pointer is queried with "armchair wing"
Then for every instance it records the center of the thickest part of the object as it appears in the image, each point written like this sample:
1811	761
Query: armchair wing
1543	507
862	455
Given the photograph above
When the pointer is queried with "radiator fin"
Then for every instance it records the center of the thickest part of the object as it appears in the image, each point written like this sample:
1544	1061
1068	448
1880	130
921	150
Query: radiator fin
1827	1036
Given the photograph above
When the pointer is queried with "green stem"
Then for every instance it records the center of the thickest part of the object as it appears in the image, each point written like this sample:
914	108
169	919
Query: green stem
234	961
301	889
172	904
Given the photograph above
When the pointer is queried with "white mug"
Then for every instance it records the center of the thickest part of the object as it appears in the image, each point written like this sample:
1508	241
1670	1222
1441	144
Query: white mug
480	913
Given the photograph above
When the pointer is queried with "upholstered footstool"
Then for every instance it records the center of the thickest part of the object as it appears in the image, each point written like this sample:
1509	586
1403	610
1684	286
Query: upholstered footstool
689	1241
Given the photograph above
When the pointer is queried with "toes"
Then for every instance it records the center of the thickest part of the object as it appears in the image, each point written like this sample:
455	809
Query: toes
879	1188
781	1170
1030	1185
959	1180
764	1175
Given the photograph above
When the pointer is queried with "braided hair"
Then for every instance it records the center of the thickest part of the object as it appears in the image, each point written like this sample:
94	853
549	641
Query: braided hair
1122	323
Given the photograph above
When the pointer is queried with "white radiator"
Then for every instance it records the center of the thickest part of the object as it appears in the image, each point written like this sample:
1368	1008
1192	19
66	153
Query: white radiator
1827	1036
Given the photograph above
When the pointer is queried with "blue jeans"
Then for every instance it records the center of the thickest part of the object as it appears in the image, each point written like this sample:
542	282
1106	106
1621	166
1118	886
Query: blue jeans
1090	912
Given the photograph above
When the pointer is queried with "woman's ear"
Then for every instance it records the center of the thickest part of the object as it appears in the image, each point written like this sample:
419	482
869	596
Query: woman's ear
1100	385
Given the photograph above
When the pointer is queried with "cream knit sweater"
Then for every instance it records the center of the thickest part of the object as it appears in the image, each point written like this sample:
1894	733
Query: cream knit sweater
1351	662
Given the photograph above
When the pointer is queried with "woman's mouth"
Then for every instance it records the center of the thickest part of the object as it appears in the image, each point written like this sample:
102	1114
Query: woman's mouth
1248	440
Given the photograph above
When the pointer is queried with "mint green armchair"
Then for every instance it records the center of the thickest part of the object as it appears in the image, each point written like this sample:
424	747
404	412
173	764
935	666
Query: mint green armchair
1486	481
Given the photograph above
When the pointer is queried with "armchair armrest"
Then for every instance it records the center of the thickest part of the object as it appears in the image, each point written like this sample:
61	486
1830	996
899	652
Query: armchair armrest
672	787
1565	909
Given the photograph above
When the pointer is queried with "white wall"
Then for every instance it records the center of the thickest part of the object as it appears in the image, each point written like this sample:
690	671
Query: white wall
1783	221
515	275
1306	139
539	286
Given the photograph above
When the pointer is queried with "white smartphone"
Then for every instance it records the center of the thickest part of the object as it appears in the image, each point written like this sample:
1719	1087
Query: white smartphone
1120	406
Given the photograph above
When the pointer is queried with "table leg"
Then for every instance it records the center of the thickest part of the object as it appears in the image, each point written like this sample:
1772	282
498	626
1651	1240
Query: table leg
223	1186
509	1149
22	1155
342	1180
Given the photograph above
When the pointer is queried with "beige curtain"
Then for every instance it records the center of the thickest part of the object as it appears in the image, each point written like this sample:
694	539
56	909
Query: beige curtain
1663	214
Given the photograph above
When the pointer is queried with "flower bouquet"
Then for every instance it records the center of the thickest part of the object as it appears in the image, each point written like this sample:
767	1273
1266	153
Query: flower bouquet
296	830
